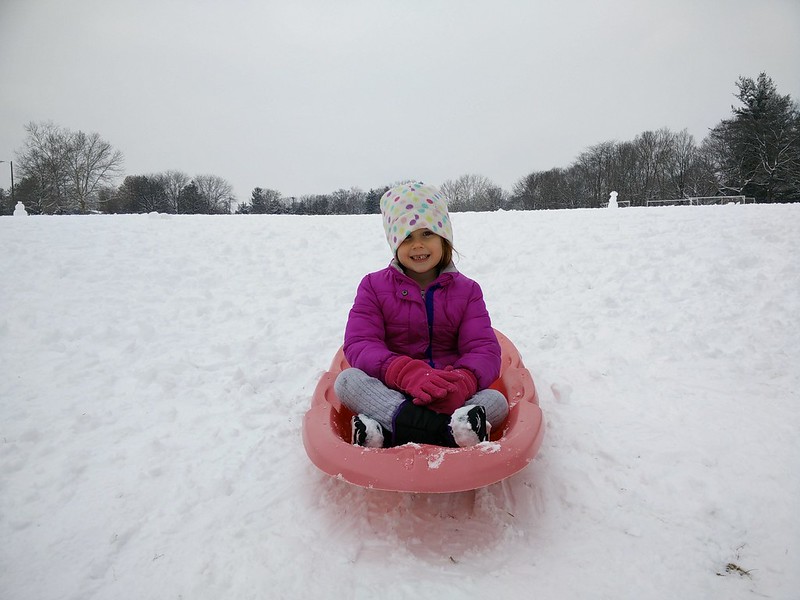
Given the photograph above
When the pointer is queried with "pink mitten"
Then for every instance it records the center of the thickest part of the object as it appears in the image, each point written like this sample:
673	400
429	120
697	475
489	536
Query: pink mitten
418	379
466	385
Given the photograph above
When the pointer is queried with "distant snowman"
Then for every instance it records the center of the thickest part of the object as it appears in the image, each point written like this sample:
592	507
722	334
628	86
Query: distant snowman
19	210
612	200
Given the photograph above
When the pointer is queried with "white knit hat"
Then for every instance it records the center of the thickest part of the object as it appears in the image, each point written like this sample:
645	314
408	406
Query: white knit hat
412	206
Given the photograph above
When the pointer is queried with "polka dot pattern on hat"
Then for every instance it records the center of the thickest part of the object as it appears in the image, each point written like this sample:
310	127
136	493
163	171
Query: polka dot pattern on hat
411	206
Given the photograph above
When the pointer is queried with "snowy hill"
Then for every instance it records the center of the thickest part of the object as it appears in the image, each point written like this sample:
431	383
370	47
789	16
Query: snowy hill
155	371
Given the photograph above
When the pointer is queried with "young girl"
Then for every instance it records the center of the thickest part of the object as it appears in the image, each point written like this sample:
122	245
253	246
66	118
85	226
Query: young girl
418	338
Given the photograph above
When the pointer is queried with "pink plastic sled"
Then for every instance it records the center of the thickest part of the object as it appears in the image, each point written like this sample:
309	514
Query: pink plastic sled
422	467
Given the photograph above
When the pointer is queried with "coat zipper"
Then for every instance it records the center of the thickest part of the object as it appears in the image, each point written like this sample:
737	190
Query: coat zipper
429	315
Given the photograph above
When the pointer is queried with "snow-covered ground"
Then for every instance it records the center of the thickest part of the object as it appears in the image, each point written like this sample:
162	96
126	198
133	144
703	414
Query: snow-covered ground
155	371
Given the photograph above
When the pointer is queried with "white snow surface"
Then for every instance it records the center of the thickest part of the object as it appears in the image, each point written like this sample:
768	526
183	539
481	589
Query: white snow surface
156	369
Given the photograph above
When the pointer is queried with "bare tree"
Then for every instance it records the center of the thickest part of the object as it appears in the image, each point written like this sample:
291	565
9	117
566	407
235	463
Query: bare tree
172	182
68	167
43	160
348	202
92	163
473	192
654	153
216	192
655	165
596	166
548	189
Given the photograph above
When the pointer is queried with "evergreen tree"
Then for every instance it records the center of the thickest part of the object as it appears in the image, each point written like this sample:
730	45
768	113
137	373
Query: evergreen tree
372	203
141	194
5	203
29	192
274	202
190	202
258	204
263	202
757	151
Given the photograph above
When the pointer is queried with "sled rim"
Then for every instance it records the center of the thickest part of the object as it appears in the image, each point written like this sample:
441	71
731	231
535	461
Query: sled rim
425	468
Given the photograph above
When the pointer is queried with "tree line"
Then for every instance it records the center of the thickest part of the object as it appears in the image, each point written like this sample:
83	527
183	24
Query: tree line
755	153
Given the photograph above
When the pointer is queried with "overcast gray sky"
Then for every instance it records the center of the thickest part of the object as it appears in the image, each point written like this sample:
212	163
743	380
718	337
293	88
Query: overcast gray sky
310	96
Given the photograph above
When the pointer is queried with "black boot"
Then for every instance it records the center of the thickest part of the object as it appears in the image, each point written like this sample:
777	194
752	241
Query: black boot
369	433
469	425
421	425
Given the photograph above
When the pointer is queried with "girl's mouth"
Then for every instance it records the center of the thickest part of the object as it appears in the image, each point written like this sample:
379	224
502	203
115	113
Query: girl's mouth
420	257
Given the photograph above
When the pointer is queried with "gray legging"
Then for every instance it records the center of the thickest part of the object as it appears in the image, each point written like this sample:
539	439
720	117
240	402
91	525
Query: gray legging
366	395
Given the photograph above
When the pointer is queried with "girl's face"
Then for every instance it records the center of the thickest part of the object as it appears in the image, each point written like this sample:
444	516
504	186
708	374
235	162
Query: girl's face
420	253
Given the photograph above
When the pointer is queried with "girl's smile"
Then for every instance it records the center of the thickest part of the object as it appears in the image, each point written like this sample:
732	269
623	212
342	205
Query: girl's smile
420	254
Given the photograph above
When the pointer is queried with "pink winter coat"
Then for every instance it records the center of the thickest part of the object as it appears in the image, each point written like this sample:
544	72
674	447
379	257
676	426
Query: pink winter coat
448	326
